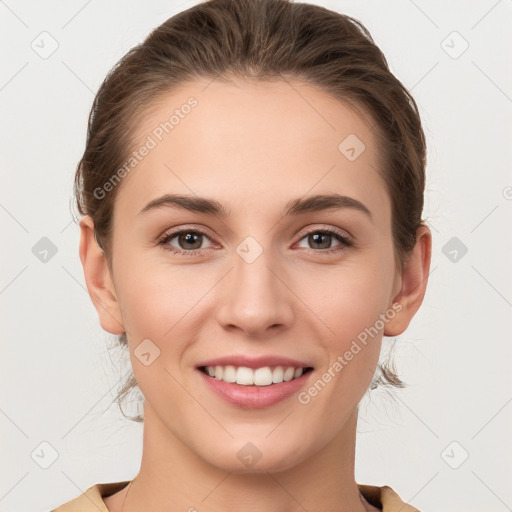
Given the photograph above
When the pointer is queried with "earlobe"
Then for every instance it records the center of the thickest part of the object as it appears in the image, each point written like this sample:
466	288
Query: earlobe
98	279
414	284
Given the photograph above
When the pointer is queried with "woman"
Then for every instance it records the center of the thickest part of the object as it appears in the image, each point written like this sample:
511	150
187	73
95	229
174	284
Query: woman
251	191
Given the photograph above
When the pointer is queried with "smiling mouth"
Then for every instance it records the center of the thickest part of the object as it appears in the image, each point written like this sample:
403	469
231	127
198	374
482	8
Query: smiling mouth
244	376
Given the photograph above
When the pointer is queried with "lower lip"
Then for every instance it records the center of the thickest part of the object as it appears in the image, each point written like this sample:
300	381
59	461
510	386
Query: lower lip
254	397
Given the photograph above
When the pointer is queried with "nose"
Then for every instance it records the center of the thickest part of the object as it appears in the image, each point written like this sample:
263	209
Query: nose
256	297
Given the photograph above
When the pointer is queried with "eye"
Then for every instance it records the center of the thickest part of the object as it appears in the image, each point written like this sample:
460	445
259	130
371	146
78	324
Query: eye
190	239
323	239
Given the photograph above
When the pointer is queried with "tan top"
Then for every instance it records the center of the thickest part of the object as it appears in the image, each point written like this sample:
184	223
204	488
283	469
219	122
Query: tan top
91	500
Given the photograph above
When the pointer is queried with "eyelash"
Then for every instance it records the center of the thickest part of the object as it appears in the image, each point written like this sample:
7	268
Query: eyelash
345	242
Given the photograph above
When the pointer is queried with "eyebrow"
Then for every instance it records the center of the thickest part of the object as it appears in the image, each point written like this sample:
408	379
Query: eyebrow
293	207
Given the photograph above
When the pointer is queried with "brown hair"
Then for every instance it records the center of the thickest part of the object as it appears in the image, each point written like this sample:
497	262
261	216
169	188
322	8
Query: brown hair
260	40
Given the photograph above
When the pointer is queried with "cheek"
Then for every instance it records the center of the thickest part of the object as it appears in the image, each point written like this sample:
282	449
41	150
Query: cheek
161	303
353	350
357	341
143	300
356	298
152	295
156	312
352	310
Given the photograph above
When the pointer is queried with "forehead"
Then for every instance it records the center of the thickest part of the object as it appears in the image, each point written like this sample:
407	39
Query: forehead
249	143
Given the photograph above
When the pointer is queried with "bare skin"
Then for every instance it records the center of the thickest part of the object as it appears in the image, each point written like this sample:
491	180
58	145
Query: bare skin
252	147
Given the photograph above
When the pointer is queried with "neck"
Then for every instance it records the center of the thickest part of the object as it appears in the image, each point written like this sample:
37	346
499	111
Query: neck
173	477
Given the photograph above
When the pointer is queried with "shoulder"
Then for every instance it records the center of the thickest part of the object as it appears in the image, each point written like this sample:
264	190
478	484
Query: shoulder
385	498
92	499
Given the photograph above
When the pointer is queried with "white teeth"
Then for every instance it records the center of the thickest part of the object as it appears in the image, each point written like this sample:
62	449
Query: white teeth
277	375
260	377
263	377
288	374
229	374
244	376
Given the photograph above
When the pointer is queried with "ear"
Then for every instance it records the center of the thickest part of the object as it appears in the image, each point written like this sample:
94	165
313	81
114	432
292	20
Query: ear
98	279
412	283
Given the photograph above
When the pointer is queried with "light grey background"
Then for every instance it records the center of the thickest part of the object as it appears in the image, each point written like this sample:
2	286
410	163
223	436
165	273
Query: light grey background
58	376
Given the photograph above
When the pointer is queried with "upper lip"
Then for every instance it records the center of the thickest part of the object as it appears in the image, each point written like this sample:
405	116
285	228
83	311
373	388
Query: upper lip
255	362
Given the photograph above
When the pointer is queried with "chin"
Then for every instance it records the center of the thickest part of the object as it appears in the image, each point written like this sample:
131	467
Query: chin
250	457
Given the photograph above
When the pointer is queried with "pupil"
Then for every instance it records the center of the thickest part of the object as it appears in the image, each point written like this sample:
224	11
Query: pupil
317	235
188	239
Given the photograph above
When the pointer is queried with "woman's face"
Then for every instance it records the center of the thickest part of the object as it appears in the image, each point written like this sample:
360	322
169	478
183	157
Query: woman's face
258	283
